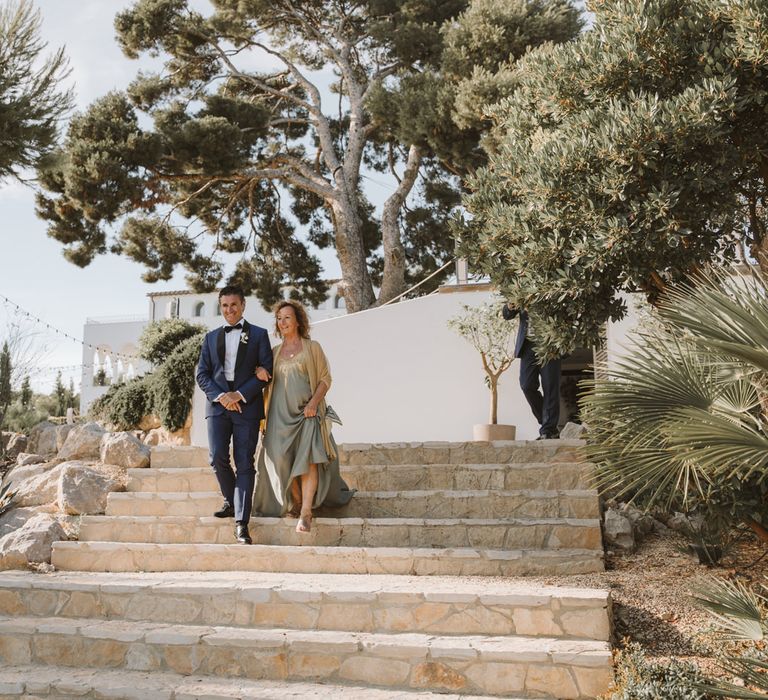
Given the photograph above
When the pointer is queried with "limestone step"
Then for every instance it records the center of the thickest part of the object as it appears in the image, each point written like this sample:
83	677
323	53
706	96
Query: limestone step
528	666
410	453
398	477
386	504
60	683
126	557
509	533
353	603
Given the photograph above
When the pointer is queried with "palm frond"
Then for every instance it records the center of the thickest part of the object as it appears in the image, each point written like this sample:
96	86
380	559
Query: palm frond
719	445
723	312
738	612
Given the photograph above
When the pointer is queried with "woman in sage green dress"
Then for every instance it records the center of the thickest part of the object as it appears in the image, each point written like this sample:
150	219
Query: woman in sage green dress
298	465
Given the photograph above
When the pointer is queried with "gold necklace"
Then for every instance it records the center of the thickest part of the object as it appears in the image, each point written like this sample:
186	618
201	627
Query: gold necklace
294	352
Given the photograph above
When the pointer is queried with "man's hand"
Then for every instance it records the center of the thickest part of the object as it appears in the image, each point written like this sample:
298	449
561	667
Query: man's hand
231	401
310	410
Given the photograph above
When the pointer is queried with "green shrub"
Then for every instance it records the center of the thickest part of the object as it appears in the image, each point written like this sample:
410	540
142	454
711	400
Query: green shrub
173	346
21	419
124	405
640	679
174	382
161	338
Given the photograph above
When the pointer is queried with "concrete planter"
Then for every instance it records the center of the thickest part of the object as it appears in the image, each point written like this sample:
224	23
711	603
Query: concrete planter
486	432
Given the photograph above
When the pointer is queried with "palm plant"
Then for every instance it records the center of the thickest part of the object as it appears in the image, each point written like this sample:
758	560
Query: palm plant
6	497
739	614
681	420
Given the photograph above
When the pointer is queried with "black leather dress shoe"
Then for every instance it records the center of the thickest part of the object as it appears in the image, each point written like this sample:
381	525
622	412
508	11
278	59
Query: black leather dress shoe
242	535
226	511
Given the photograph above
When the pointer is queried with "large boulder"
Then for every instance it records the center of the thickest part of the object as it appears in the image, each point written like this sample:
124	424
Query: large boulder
36	484
124	450
31	543
82	442
83	489
25	458
14	444
15	518
618	531
62	431
42	439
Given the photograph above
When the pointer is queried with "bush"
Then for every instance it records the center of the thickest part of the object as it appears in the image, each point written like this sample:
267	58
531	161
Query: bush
639	679
174	381
173	346
161	338
124	405
21	419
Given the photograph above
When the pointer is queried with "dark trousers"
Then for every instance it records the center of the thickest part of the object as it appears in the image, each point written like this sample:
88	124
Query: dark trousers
546	408
237	487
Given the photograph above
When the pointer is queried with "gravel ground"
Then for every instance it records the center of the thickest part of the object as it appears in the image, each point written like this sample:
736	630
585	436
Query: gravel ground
652	592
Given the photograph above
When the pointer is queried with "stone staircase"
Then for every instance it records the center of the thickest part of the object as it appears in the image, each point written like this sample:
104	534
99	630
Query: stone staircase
404	593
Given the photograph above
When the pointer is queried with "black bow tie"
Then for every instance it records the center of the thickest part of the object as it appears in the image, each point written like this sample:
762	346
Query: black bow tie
227	329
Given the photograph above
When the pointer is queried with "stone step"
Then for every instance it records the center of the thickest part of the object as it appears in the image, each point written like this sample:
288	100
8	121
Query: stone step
500	452
60	683
386	504
541	476
134	557
528	666
353	603
511	533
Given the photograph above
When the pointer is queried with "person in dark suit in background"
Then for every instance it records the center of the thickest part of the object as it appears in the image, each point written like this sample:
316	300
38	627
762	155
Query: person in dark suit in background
226	372
546	406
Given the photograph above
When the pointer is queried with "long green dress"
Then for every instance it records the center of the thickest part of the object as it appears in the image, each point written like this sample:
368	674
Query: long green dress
292	442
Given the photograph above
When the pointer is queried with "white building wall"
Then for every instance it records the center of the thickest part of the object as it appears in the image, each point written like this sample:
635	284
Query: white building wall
618	340
400	374
109	337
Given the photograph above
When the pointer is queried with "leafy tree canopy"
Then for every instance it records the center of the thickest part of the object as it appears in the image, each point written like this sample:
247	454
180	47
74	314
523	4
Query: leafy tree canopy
625	160
31	101
219	143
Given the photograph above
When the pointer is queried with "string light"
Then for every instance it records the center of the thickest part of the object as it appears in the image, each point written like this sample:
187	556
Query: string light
117	355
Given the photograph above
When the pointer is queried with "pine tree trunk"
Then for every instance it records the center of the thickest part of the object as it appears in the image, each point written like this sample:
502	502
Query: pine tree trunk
393	281
358	290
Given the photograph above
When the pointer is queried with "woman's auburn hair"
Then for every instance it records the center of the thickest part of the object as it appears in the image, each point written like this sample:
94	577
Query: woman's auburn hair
302	319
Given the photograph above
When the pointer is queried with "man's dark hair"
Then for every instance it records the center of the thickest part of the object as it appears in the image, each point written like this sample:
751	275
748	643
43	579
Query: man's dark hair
232	290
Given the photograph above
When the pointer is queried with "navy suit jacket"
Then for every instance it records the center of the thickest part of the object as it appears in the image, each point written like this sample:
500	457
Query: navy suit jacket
253	353
522	331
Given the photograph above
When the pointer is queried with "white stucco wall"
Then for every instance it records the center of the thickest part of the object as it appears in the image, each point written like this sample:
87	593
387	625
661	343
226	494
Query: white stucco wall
618	335
400	374
109	337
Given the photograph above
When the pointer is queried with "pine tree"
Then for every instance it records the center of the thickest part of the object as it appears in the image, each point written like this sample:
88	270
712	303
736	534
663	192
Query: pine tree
32	101
26	392
6	393
60	394
247	155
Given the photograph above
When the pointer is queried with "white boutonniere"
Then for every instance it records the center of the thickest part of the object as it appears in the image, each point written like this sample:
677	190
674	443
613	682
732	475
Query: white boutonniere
244	338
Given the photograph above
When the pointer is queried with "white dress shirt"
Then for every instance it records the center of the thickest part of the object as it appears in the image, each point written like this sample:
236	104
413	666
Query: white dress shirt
231	345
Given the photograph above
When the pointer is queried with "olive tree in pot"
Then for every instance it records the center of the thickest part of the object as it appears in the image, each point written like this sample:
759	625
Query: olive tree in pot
492	337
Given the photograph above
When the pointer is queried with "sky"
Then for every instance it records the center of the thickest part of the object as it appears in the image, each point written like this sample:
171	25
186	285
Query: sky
33	271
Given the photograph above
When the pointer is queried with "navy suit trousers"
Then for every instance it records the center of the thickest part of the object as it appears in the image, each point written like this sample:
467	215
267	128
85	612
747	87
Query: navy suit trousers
545	407
237	487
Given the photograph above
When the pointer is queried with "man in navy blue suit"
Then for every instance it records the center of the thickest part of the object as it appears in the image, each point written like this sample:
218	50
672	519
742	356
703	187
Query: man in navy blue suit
545	407
226	372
